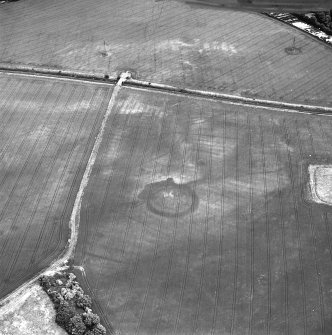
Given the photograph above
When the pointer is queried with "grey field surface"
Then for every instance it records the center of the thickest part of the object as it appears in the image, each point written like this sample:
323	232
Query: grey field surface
171	43
197	217
195	220
48	128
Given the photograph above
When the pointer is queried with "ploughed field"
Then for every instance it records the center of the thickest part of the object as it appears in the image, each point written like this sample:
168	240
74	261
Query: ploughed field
197	218
168	42
48	128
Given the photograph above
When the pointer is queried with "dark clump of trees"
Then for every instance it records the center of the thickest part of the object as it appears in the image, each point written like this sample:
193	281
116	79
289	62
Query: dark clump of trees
64	312
73	307
84	301
320	20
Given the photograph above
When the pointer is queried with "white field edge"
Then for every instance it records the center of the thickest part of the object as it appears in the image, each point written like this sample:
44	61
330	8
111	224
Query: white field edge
314	192
288	107
234	99
17	297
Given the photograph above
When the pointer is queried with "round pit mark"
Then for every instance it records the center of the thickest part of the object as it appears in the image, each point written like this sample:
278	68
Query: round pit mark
105	53
293	50
169	199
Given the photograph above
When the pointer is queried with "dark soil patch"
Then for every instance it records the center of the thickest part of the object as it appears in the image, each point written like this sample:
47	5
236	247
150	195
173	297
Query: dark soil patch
293	51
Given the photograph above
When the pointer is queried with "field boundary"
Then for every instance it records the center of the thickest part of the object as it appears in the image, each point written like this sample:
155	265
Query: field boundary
298	108
7	303
40	70
131	82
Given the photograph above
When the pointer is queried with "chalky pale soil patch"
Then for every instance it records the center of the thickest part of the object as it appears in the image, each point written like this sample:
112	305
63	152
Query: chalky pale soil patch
321	183
33	315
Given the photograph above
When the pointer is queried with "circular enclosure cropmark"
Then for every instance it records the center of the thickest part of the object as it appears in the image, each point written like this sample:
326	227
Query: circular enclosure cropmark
170	199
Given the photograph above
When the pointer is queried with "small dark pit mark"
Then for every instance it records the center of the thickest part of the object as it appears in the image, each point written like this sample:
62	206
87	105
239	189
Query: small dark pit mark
200	163
104	53
6	281
293	49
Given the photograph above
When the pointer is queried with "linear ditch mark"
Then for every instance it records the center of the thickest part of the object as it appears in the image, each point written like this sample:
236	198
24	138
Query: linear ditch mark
227	98
7	302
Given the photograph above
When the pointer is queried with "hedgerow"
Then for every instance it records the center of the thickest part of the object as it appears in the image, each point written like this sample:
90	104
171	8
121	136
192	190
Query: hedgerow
73	307
320	20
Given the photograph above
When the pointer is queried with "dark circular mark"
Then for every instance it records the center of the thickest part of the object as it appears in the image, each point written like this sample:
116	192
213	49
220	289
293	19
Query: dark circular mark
169	199
103	53
200	163
293	50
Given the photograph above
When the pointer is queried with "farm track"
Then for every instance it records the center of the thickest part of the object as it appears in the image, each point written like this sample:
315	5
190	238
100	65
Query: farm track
51	126
76	180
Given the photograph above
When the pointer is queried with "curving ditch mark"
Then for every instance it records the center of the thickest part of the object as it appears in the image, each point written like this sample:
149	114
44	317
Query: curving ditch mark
169	199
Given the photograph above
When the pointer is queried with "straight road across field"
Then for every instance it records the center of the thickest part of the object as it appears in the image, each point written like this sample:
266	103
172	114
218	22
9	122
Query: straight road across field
197	219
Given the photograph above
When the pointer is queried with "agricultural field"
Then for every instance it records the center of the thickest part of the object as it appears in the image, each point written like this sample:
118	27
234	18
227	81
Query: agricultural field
241	53
48	129
197	219
199	216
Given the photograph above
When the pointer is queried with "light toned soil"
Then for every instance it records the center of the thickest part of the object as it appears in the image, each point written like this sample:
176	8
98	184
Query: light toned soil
34	315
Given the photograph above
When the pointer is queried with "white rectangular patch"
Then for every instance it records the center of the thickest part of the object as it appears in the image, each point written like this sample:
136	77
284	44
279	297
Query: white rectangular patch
321	183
